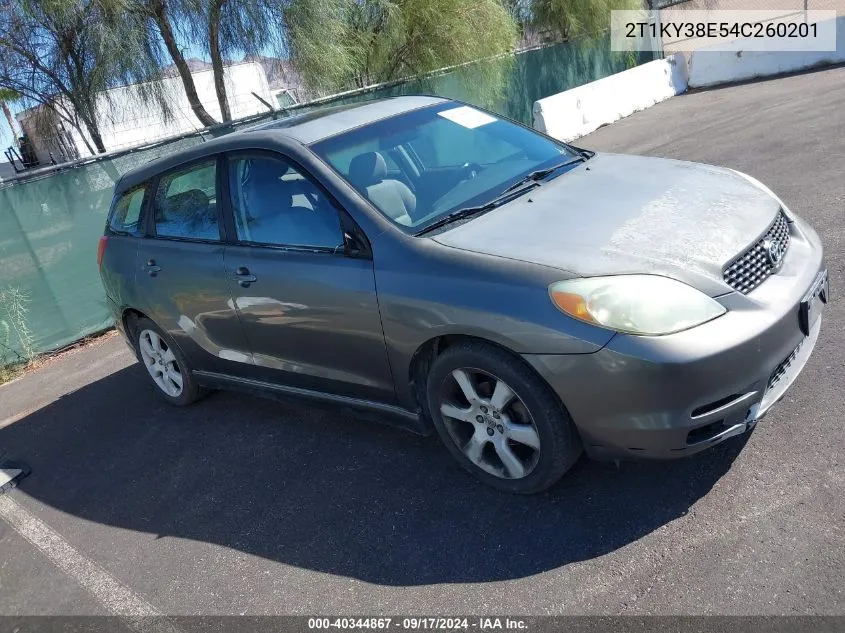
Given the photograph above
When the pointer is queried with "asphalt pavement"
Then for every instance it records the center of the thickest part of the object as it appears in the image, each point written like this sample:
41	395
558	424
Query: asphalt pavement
241	505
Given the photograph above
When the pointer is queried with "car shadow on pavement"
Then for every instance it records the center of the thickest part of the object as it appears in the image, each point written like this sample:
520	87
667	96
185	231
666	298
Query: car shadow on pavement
318	489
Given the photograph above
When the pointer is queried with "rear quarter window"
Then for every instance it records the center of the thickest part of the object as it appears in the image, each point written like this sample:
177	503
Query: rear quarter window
125	216
185	205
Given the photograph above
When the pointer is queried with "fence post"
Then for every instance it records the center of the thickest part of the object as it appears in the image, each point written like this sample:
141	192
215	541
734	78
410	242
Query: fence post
654	18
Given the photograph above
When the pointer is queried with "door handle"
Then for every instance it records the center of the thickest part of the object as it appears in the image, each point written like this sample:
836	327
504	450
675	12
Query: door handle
244	277
151	268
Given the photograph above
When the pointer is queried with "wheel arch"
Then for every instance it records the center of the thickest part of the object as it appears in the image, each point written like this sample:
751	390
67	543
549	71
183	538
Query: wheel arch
129	321
428	351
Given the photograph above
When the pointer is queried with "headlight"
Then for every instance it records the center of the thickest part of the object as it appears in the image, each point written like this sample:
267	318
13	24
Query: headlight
636	304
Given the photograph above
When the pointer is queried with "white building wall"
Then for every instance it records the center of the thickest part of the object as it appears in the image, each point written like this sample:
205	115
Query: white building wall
126	121
710	68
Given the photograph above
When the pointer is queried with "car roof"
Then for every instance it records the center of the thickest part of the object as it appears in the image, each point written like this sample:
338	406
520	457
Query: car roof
302	129
319	124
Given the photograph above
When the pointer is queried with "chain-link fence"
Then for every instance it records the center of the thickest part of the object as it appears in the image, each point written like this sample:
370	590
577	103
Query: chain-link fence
51	219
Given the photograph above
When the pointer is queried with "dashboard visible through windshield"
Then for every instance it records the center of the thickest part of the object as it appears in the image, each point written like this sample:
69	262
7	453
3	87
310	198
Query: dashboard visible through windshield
423	165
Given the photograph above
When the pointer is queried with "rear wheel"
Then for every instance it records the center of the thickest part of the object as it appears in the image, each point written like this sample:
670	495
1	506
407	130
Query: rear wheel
499	419
165	365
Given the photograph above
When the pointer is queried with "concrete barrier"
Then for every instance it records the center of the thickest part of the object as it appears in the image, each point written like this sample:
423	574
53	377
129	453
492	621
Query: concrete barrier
574	113
710	68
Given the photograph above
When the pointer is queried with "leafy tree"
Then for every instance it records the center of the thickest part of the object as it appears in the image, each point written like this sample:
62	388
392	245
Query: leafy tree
156	24
222	28
8	96
64	55
227	28
338	44
565	19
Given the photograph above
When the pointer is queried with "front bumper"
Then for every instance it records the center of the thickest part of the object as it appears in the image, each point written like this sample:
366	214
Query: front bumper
669	396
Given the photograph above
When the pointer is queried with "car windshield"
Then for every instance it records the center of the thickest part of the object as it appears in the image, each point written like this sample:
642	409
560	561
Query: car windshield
421	166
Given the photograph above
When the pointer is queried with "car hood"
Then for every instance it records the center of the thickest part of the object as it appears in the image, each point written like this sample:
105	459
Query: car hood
619	214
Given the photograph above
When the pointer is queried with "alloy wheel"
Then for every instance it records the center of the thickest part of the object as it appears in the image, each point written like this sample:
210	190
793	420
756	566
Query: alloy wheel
161	363
489	423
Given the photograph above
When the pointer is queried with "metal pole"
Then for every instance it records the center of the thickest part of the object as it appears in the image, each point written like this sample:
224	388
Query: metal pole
658	35
269	107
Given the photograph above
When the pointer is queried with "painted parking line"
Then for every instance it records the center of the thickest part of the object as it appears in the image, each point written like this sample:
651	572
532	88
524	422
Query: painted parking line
114	596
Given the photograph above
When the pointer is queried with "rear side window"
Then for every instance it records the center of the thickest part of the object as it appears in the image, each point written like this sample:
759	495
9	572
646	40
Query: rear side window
126	214
186	203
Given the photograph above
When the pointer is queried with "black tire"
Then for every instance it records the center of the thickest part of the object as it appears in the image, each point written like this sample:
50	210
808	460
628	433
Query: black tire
190	391
559	442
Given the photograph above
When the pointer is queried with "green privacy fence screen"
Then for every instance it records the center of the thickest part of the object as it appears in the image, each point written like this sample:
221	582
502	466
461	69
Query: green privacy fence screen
50	225
49	229
510	86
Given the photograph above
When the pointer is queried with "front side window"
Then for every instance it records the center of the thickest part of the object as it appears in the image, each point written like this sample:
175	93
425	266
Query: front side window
126	214
275	204
186	204
419	166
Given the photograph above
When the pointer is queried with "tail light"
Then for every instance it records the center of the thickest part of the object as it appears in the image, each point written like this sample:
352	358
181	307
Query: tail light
101	250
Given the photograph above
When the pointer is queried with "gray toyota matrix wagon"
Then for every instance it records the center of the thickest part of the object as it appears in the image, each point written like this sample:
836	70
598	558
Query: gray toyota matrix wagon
457	271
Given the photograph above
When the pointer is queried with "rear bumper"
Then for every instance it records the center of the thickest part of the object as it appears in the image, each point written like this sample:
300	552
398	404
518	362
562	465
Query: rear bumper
670	396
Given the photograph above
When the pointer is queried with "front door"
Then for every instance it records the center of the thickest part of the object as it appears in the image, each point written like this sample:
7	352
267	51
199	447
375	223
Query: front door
309	312
180	274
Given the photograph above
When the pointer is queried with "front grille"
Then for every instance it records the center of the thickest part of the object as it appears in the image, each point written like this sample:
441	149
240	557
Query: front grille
780	370
753	267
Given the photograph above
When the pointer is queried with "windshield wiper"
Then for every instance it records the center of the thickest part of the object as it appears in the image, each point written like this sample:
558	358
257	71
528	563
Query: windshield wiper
466	212
534	176
512	191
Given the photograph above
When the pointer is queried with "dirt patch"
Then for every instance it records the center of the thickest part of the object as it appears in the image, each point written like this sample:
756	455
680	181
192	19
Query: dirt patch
10	372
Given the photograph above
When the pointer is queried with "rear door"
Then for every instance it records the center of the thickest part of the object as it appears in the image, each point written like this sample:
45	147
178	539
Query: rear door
308	308
179	269
124	229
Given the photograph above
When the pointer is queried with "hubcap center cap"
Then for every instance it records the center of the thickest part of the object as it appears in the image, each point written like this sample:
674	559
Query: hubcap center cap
488	415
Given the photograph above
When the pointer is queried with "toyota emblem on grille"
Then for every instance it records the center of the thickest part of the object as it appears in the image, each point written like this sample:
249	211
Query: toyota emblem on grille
774	253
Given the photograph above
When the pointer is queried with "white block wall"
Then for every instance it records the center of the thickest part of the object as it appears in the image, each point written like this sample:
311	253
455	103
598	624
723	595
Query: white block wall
710	68
571	114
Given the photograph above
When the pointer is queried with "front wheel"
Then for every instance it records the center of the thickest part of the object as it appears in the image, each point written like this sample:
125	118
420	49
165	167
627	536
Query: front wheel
499	419
165	365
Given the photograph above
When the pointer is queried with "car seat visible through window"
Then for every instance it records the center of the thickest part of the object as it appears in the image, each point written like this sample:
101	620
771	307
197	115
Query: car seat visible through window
188	214
368	171
280	206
